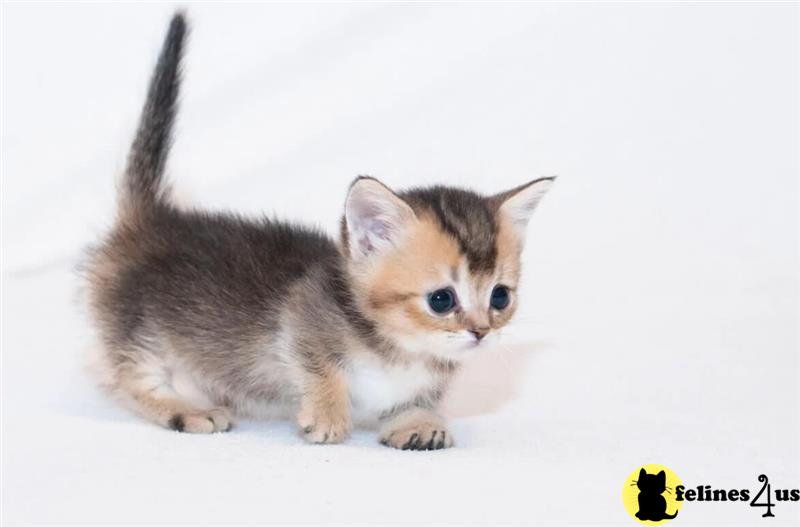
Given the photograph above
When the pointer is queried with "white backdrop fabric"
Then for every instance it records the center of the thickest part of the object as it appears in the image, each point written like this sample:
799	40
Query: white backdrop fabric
659	319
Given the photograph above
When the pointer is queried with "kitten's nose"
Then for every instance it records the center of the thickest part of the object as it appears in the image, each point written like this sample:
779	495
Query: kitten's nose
479	333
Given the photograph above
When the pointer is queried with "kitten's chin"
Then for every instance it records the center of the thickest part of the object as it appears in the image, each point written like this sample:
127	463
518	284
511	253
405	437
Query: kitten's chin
444	345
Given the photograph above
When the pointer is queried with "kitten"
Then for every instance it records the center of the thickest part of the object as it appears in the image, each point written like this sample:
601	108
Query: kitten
204	316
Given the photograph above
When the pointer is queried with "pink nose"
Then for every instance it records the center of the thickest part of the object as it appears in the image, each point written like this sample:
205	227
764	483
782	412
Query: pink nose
479	333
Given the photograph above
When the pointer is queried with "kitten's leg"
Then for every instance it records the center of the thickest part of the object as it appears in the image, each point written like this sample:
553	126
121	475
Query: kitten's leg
416	429
147	388
324	406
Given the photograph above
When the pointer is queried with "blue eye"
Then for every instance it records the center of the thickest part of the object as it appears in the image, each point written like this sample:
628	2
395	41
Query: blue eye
500	297
442	301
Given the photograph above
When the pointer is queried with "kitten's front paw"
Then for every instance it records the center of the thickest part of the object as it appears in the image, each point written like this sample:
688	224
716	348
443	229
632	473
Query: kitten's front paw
324	426
201	421
417	431
422	438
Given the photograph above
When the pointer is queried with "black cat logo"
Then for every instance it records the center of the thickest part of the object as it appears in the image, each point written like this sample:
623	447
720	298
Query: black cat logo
652	505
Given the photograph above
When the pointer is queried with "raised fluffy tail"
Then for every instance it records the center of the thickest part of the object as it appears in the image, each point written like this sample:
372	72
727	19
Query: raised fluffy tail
143	185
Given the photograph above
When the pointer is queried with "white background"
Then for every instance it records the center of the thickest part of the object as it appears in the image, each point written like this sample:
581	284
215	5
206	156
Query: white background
660	298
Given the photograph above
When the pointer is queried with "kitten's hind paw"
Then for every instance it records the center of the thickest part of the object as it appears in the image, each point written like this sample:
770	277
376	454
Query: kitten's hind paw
201	421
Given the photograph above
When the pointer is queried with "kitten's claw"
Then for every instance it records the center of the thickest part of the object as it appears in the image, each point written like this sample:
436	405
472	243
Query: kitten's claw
201	421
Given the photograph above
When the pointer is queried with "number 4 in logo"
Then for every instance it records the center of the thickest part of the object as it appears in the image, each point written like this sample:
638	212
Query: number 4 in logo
765	480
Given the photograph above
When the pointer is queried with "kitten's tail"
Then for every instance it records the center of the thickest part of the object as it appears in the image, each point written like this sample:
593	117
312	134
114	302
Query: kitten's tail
668	517
143	186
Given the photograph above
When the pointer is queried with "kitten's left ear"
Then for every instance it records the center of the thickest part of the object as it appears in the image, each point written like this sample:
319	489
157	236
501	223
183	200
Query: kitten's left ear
518	204
375	218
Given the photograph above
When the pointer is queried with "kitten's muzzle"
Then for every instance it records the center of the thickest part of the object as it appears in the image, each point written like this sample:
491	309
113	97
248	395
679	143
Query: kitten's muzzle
479	333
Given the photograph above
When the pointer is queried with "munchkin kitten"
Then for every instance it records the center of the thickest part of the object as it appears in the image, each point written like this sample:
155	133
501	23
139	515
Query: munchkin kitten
205	316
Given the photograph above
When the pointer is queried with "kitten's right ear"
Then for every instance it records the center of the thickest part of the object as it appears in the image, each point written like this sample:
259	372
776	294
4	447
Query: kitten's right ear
375	217
642	473
518	204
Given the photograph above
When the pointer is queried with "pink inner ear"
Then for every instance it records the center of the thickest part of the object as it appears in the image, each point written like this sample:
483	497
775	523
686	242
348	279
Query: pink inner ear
365	246
378	227
372	227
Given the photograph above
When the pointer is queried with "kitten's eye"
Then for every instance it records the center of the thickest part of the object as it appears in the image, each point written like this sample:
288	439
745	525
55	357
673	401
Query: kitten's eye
500	297
442	301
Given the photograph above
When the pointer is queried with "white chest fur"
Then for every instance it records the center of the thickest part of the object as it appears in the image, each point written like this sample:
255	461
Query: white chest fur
376	387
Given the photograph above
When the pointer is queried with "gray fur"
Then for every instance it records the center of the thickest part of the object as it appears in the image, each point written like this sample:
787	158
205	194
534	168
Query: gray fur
466	215
151	146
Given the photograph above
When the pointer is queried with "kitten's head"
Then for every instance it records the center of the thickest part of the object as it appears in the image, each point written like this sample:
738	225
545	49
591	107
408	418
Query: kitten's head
652	483
437	268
